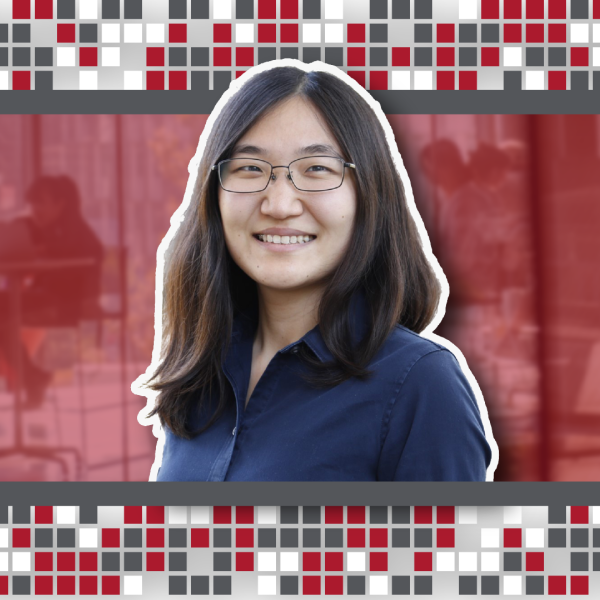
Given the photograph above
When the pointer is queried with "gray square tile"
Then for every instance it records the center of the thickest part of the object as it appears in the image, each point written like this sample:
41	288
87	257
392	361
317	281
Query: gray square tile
267	54
221	80
334	56
65	9
595	79
400	538
200	9
355	585
580	561
423	9
311	9
557	514
400	585
401	515
378	56
199	585
88	33
244	9
289	514
334	538
379	514
132	561
423	583
132	538
43	57
423	57
267	538
580	80
177	561
288	585
43	538
596	537
378	9
177	585
88	515
557	538
200	56
21	585
423	538
467	56
4	509
378	33
221	561
512	80
288	538
311	538
512	561
3	57
288	52
311	54
199	80
311	514
490	33
111	561
133	9
580	538
111	9
467	33
596	561
21	33
177	538
557	57
534	585
467	585
178	9
490	585
579	9
222	585
222	538
21	58
534	57
65	538
400	9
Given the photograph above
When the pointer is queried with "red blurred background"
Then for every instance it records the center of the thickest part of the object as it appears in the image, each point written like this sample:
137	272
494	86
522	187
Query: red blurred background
511	206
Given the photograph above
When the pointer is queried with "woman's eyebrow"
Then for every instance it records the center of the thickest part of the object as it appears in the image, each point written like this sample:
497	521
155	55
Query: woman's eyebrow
305	151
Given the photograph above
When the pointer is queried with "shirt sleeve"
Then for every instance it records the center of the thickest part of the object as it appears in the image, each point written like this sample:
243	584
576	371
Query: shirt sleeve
432	430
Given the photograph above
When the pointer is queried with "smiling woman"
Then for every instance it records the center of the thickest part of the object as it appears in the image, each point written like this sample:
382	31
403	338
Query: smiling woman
294	293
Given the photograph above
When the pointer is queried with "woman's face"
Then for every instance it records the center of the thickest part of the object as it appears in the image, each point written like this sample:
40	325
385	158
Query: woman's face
284	135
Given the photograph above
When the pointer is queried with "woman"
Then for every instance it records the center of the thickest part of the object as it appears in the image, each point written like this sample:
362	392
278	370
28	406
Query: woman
294	292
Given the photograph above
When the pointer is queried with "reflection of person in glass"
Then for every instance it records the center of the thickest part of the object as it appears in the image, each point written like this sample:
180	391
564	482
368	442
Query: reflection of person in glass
294	292
58	297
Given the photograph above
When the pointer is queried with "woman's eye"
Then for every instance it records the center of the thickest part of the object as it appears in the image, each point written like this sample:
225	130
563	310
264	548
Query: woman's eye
318	168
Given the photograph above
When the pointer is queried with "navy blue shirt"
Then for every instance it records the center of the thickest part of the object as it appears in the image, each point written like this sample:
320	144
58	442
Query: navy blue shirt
414	419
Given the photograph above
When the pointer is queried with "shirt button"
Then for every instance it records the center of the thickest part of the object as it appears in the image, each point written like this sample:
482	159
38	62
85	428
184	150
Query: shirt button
294	350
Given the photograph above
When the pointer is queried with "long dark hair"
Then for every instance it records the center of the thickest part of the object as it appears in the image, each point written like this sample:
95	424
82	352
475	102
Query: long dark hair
203	287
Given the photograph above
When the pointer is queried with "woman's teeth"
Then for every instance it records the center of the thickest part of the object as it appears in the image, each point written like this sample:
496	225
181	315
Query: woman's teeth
286	239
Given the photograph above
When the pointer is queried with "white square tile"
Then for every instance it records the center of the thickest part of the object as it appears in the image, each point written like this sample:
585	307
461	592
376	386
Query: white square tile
88	9
288	561
512	585
334	33
88	537
267	561
132	585
534	80
423	80
311	33
467	561
334	9
513	57
596	33
467	515
155	33
88	80
132	33
378	585
266	515
490	561
4	537
596	63
111	56
580	33
3	80
65	515
3	562
133	80
401	80
65	56
267	585
445	561
467	9
534	537
490	538
21	561
200	515
596	515
111	33
177	515
355	561
244	33
513	515
222	9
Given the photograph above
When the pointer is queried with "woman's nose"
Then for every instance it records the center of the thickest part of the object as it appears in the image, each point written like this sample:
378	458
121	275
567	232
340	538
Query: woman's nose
281	196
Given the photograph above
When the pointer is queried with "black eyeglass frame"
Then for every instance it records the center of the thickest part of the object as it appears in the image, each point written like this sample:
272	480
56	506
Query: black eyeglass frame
272	177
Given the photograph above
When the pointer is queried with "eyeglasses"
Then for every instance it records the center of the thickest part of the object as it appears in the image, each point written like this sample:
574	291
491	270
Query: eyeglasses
308	174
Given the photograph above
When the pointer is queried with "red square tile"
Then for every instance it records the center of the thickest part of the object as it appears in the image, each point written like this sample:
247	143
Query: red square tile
222	514
579	515
65	585
155	80
534	9
356	538
244	538
65	561
557	80
596	9
21	80
311	584
467	80
445	56
43	9
155	515
423	561
88	57
4	585
512	9
178	80
155	561
88	561
334	561
445	515
43	515
88	585
334	585
288	33
512	33
356	57
359	77
267	9
445	538
356	514
288	9
244	561
334	515
534	33
512	538
356	33
557	9
21	9
21	537
177	33
423	515
267	33
43	585
244	57
557	585
580	585
445	33
557	33
44	561
378	561
579	57
445	80
111	538
378	538
222	58
222	33
132	515
311	561
490	57
534	561
65	33
490	9
378	80
400	58
199	538
111	585
155	538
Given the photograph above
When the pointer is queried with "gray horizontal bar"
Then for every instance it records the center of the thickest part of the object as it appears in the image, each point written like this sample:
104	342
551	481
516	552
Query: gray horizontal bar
392	102
301	494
